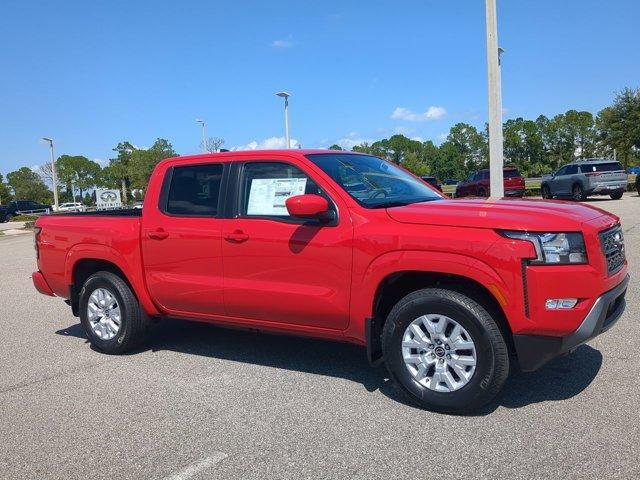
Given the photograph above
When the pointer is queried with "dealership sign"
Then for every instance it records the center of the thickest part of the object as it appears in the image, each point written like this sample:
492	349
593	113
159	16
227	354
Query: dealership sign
108	199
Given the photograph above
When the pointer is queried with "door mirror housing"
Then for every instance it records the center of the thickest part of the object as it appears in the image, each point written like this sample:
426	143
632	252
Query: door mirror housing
308	206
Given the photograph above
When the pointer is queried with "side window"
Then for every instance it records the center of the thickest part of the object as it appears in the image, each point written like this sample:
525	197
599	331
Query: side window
194	190
266	186
572	170
562	171
484	175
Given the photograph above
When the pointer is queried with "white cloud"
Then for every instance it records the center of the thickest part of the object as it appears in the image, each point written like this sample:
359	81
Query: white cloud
353	139
418	139
432	113
271	143
282	43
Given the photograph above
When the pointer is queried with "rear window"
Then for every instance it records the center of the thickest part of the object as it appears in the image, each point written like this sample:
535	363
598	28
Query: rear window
194	190
511	173
602	167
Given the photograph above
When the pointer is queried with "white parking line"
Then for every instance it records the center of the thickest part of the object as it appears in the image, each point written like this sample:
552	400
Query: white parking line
196	467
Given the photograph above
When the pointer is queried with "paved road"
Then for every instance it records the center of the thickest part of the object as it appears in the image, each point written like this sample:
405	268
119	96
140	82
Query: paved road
203	402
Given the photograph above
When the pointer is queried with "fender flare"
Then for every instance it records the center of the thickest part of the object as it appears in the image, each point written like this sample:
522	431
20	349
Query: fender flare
133	272
425	261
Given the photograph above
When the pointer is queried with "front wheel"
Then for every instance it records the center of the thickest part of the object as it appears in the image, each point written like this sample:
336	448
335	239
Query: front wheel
110	314
616	195
444	351
546	192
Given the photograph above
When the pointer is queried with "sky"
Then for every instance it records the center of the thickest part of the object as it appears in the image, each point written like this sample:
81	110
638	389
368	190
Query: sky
90	74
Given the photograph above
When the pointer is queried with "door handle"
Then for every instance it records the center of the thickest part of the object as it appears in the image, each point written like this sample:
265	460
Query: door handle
237	236
158	234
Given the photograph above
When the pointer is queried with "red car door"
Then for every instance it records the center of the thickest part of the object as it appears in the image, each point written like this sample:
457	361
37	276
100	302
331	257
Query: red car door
181	242
281	269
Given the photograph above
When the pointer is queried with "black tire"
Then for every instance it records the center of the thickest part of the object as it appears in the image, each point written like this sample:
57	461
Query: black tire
492	368
482	192
577	193
617	195
8	218
546	192
133	324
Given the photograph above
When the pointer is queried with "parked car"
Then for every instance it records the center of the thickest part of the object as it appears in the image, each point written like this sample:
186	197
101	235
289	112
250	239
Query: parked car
578	180
451	181
477	185
347	247
71	207
137	205
20	207
433	181
633	170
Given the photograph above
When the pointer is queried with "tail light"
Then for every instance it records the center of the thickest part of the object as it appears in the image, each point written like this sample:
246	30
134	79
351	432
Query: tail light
36	240
593	174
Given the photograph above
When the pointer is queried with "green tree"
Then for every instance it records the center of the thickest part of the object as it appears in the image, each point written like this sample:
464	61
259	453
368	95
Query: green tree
523	146
27	185
143	162
619	127
472	147
415	164
77	171
118	173
335	146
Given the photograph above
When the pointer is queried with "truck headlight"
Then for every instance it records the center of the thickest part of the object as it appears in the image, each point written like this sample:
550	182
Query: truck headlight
554	248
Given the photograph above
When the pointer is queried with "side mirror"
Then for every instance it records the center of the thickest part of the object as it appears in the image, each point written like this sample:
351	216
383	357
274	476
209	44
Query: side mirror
308	206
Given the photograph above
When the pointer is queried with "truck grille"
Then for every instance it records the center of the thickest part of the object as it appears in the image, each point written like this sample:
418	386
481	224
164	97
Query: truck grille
612	242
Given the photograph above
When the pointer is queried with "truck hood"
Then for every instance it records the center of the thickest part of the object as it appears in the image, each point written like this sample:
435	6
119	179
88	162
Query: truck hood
506	214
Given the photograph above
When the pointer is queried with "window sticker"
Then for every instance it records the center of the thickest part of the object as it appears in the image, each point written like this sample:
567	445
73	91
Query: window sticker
268	195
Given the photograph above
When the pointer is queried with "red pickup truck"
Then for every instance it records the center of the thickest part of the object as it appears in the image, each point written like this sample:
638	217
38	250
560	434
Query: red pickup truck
344	246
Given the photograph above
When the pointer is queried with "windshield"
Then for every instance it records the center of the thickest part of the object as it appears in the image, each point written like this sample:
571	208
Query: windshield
373	182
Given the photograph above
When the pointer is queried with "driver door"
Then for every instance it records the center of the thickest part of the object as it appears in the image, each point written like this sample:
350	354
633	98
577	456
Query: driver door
282	269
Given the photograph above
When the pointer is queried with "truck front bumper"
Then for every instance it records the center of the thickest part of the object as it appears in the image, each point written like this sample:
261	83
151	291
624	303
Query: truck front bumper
533	351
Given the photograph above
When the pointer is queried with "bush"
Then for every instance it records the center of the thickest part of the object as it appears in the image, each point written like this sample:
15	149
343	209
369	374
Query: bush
24	218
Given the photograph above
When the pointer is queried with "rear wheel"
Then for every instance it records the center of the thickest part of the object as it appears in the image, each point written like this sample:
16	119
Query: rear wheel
546	192
578	193
616	195
8	218
110	314
444	351
482	192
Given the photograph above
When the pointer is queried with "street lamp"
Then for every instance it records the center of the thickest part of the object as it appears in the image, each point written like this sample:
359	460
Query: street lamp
286	96
496	160
54	176
204	133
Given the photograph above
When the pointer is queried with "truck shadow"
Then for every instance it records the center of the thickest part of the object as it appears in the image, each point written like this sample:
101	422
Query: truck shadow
559	380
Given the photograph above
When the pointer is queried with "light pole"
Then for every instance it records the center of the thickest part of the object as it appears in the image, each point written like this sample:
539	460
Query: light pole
54	176
496	160
286	96
204	133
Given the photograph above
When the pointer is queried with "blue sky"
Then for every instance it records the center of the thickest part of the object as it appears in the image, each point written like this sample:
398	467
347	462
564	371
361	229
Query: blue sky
90	74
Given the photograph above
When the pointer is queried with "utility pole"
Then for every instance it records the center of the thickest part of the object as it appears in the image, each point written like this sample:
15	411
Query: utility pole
496	160
54	176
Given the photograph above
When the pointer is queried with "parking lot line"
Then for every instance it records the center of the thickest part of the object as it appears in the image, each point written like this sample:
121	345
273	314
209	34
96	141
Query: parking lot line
196	467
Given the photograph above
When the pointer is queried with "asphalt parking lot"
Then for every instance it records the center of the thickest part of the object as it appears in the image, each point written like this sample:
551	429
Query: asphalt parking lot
204	402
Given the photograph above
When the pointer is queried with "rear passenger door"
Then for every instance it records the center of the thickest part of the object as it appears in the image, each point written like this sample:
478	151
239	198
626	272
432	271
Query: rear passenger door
181	241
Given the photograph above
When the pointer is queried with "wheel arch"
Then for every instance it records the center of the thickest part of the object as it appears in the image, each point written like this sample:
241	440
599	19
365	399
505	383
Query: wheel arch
83	260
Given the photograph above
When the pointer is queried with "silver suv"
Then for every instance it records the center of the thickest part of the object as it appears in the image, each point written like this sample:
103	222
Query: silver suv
579	179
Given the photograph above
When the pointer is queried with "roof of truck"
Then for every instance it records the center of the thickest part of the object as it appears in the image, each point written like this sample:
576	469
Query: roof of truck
284	151
592	160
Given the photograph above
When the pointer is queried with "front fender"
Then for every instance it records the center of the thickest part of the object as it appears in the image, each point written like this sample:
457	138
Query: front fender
365	289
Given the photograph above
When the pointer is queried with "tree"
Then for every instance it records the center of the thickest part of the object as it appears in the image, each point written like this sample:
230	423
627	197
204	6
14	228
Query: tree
214	144
523	146
77	171
143	162
415	164
335	146
27	185
118	174
471	145
5	194
619	127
